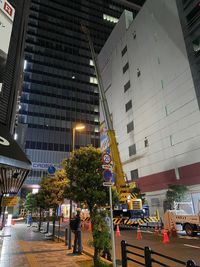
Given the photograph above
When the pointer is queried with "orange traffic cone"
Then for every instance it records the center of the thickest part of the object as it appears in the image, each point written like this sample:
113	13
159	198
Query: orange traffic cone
165	237
90	227
156	231
117	231
139	235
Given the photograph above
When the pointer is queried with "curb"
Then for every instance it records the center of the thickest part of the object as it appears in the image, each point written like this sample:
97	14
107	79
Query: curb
88	253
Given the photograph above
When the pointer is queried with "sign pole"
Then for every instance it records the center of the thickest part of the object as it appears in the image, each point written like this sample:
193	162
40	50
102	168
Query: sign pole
112	230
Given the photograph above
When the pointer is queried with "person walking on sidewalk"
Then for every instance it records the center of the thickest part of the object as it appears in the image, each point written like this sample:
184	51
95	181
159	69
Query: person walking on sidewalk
77	235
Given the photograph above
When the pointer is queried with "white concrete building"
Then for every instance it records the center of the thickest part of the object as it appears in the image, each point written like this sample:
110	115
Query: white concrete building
151	96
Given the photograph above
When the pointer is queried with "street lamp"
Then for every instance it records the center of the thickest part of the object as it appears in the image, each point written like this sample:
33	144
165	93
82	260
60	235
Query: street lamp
76	128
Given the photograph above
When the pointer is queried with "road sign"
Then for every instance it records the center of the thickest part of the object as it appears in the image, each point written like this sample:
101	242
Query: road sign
107	174
107	167
106	158
51	169
107	184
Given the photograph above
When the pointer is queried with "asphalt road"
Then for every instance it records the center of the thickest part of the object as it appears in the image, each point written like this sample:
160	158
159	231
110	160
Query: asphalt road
182	247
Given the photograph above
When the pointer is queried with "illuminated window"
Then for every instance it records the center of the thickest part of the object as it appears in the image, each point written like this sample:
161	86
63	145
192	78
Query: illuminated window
96	119
196	44
91	62
110	18
93	80
15	136
96	109
25	64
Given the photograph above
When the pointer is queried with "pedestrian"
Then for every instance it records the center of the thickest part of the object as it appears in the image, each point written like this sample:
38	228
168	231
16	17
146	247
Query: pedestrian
77	235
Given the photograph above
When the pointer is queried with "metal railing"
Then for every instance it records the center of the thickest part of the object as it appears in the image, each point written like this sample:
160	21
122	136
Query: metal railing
146	256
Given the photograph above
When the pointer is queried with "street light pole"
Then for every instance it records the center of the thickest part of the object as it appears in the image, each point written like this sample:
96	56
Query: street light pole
78	128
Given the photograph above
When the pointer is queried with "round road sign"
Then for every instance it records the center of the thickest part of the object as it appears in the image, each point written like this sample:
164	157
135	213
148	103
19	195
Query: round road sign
106	158
107	174
51	169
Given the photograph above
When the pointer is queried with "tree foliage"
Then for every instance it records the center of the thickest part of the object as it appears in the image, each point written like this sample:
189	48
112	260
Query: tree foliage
101	235
53	188
30	202
176	193
84	170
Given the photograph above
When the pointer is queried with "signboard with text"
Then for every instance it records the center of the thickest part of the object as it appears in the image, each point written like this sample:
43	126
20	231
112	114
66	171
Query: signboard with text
7	13
9	201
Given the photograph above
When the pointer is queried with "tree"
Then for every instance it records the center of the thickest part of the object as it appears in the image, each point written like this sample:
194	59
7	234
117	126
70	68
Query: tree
84	170
52	191
176	193
30	202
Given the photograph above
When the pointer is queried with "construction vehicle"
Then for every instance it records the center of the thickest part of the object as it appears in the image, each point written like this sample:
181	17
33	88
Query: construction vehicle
187	219
128	201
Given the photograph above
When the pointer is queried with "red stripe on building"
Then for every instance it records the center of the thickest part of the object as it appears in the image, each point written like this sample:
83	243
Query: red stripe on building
189	175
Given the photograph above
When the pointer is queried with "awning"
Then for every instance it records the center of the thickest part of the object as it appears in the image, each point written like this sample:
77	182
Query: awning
10	152
14	165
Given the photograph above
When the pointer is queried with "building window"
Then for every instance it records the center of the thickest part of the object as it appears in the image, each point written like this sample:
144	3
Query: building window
127	86
125	67
128	105
132	150
91	62
124	51
196	44
134	174
110	18
146	142
193	16
130	127
25	64
155	202
138	72
93	80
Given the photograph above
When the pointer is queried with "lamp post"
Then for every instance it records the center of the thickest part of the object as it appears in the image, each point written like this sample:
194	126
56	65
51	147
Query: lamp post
76	128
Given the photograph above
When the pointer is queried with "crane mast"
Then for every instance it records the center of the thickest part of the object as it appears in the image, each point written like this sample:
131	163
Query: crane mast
124	194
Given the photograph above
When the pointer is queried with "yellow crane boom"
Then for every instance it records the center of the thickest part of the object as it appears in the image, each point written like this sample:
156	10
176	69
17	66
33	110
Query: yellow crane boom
125	196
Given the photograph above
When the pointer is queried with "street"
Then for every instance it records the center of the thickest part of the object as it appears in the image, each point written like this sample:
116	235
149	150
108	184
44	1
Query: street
181	247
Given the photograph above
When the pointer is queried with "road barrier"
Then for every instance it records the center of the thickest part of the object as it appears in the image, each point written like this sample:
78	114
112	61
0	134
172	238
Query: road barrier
149	222
146	255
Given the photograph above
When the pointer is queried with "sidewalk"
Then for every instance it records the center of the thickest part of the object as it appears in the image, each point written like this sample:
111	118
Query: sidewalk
21	247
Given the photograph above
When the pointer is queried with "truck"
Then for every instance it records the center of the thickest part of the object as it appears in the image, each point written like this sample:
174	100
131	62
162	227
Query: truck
186	219
128	200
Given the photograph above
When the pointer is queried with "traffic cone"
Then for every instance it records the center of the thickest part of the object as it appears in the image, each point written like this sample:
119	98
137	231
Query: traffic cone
139	235
117	231
90	227
165	237
156	231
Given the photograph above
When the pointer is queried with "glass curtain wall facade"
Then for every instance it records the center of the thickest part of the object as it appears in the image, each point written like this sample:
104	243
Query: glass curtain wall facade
60	88
189	13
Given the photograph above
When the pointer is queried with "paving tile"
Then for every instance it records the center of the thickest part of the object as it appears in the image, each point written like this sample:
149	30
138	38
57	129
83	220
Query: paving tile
26	248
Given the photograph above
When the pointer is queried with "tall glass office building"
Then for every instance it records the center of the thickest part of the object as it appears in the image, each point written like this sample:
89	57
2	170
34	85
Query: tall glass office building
60	88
